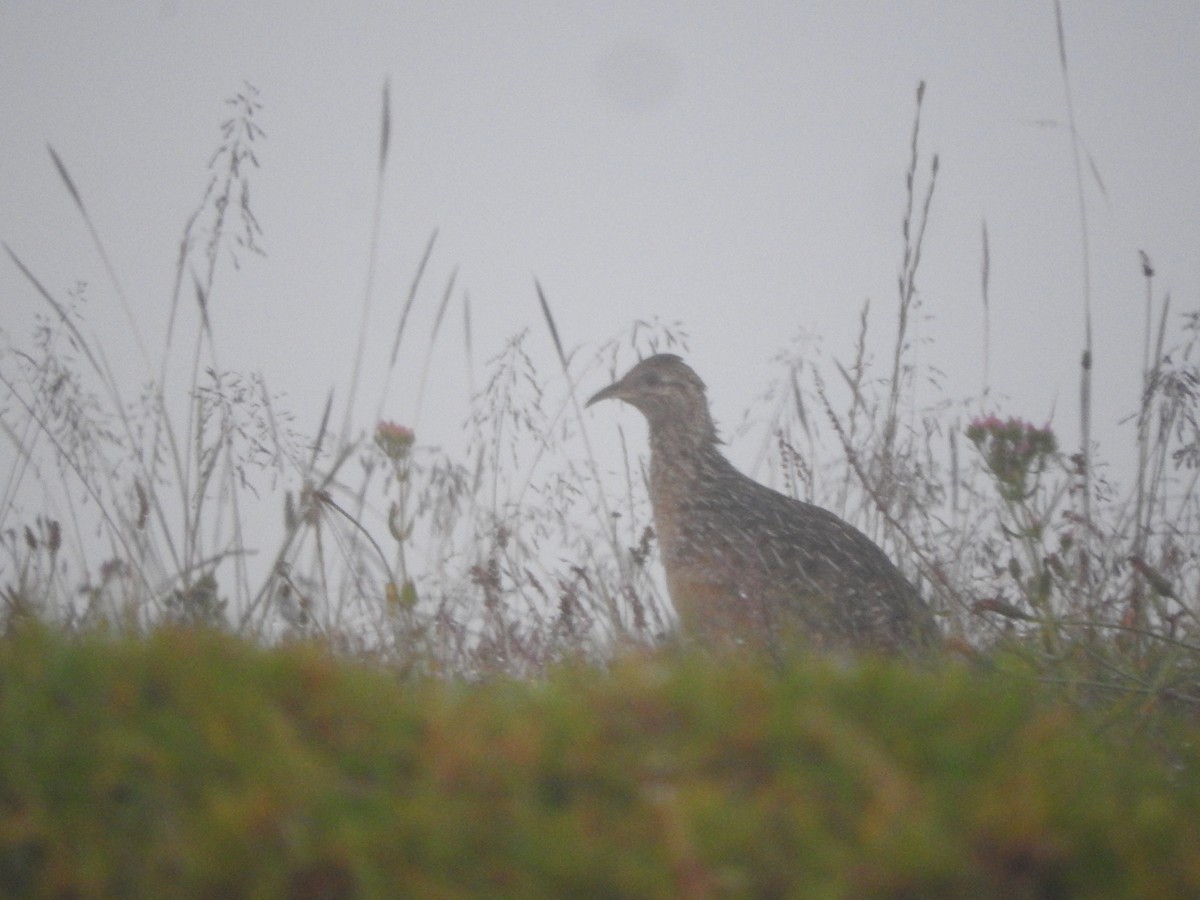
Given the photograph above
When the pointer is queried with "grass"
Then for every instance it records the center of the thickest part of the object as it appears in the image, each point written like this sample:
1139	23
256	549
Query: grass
505	555
193	763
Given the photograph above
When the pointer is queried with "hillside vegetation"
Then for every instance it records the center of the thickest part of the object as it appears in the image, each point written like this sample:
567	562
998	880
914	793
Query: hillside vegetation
192	763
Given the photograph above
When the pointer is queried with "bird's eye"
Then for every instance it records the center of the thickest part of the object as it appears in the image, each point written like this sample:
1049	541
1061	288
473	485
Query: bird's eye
652	379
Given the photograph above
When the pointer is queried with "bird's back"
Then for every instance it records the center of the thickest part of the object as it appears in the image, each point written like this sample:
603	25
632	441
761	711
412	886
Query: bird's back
742	559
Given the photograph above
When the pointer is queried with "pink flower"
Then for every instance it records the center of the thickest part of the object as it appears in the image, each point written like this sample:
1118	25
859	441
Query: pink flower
1014	450
394	440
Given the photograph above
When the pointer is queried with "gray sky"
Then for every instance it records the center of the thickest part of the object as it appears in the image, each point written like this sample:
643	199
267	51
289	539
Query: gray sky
735	167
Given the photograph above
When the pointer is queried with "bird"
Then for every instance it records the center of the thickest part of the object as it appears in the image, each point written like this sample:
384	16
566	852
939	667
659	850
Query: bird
747	566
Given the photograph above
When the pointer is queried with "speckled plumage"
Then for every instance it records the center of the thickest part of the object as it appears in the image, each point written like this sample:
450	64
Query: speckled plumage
746	564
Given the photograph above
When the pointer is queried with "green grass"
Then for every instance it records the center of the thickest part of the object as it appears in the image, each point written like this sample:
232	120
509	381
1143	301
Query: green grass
192	763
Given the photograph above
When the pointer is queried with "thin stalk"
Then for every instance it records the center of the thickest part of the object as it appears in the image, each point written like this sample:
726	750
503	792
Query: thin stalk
385	130
1087	359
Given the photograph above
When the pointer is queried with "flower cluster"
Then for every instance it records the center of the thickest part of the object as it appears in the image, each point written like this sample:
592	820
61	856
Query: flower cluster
1014	451
394	440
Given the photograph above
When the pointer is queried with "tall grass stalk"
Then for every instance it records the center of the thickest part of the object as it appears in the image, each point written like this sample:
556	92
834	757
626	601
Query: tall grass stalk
1087	360
385	133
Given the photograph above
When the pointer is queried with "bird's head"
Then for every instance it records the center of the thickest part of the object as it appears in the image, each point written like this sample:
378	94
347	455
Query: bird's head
667	392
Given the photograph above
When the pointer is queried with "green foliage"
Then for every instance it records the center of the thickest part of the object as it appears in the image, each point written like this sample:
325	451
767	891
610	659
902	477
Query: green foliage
191	763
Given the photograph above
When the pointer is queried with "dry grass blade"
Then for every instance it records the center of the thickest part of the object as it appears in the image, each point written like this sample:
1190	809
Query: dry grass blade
369	288
549	319
412	296
985	284
322	431
108	266
433	336
385	131
468	347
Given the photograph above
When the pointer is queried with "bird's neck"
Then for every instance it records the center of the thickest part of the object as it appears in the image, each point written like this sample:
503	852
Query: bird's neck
683	456
686	472
682	432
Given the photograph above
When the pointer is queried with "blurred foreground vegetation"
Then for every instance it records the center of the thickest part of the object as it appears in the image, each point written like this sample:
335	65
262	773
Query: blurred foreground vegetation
194	763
